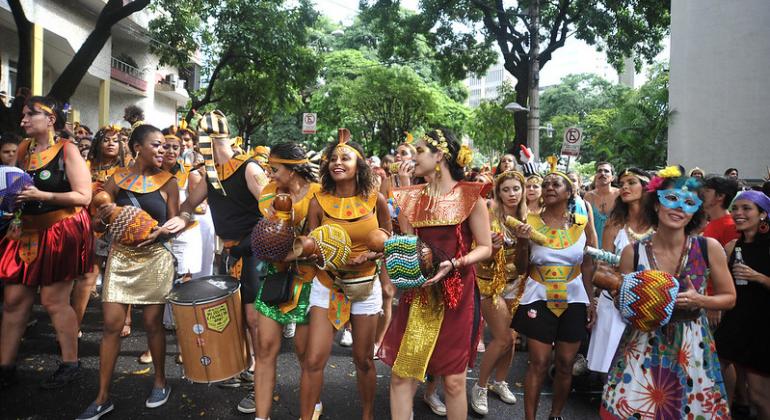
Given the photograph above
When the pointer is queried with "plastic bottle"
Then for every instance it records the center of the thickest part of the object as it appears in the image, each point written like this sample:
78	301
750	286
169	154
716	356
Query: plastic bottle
739	260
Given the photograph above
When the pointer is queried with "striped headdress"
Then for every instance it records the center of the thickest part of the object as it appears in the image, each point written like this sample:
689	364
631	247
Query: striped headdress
212	124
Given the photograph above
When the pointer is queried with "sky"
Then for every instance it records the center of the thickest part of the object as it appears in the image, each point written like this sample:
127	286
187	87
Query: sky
575	57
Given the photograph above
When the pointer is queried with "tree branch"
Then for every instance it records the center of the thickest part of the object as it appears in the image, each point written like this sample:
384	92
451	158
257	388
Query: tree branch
113	17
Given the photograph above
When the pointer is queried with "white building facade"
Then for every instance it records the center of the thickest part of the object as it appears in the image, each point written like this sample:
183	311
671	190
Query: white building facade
719	86
124	73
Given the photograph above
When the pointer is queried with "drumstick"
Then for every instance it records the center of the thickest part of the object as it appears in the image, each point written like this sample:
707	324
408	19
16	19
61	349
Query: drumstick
536	236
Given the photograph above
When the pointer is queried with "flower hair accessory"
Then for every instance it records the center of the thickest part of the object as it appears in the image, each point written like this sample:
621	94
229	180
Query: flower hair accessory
464	156
657	180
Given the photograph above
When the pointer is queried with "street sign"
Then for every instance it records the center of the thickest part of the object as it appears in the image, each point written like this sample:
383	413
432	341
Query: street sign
573	137
309	120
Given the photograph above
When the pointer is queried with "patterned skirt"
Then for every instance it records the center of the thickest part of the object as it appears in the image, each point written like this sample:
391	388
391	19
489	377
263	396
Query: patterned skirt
669	373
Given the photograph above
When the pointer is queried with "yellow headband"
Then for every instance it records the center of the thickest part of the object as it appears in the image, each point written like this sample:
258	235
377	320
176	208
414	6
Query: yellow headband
272	160
172	137
563	175
44	108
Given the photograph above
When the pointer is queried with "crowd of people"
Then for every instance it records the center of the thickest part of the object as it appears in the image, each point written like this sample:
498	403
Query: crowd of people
509	257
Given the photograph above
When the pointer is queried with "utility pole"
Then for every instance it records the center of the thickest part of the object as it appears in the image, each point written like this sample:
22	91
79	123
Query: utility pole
533	117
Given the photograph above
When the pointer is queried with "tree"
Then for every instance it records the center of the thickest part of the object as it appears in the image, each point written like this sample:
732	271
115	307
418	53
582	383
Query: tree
491	126
579	94
69	80
251	43
462	32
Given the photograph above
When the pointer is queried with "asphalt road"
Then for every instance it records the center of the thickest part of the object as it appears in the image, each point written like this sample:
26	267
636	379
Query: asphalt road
132	382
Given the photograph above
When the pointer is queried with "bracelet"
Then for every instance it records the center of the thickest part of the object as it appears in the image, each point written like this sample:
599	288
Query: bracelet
186	216
105	224
452	261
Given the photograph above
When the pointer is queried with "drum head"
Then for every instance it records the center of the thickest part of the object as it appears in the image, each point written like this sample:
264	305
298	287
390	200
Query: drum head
203	290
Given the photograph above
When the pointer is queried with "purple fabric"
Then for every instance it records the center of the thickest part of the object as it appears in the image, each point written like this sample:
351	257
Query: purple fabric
756	197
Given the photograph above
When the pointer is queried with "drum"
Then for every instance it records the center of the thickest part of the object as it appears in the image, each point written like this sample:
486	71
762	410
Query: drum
209	328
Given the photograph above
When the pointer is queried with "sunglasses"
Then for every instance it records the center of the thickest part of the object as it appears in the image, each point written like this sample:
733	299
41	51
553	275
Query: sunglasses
688	201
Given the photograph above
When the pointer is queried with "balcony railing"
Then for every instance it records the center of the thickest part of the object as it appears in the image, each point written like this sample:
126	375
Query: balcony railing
128	74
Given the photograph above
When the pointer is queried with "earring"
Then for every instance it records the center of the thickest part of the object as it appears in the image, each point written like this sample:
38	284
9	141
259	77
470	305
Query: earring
51	140
438	170
764	227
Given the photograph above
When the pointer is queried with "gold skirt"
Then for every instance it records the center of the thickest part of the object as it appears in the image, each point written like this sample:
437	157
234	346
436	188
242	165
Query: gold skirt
138	275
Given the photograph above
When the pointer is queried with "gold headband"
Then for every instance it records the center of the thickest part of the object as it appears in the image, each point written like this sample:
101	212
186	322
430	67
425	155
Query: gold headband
511	174
343	136
563	175
172	137
640	177
535	177
440	144
272	160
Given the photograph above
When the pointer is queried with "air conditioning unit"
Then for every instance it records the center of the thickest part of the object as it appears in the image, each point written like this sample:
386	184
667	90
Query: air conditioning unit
172	79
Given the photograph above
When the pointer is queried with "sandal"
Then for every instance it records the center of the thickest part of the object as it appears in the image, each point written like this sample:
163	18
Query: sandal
126	331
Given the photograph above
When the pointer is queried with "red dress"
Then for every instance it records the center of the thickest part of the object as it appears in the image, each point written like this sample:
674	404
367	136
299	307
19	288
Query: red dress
455	346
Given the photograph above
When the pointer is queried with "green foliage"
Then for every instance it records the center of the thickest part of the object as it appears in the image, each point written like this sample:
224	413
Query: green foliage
491	127
627	127
257	54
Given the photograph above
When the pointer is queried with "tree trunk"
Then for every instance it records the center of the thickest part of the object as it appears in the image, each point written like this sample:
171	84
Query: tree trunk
113	12
11	115
520	118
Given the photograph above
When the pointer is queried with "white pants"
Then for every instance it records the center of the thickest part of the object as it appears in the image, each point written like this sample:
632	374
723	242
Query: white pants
319	296
606	335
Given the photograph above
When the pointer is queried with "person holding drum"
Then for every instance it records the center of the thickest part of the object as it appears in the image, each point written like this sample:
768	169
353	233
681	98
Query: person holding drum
49	244
501	284
291	174
672	371
436	327
349	198
556	306
626	223
233	185
137	274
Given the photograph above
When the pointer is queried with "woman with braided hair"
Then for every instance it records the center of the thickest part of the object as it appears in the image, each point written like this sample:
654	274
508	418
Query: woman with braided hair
500	284
436	327
48	244
555	306
291	174
137	275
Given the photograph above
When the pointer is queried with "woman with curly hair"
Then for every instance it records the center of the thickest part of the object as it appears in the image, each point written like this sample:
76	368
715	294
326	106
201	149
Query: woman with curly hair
436	327
349	198
556	305
627	223
672	371
501	284
292	175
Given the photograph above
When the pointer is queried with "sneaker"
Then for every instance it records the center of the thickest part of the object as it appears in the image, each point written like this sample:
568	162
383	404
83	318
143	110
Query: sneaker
347	339
289	330
436	405
247	404
318	410
502	391
94	411
234	382
145	358
66	373
479	399
247	376
158	397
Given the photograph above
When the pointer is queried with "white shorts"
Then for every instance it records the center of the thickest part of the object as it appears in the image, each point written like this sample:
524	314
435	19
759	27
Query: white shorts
319	296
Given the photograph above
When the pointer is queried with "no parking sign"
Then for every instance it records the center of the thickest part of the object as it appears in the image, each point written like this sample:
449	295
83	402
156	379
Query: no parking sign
573	137
309	120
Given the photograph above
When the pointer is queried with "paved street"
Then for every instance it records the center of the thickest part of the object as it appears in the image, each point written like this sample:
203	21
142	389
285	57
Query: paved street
132	383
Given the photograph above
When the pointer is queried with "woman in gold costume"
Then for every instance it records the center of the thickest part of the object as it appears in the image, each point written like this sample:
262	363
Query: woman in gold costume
534	193
436	327
500	284
349	198
292	175
140	275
